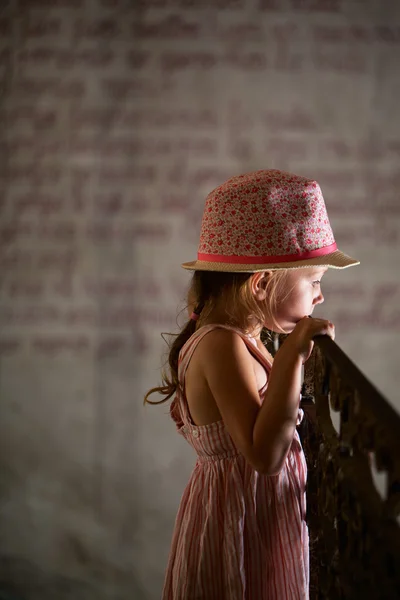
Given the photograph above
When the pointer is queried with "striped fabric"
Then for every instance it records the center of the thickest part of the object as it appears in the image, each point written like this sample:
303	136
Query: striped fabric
239	535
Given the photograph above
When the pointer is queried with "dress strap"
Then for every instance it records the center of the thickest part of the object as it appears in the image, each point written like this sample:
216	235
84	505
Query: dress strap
179	407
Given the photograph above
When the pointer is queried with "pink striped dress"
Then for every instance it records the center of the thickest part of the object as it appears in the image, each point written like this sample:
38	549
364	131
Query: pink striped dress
239	535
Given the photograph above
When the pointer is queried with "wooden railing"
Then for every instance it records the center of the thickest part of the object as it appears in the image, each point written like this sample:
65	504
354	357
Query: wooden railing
354	528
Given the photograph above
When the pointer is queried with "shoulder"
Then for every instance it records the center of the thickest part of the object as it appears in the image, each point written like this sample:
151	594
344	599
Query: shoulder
221	346
221	338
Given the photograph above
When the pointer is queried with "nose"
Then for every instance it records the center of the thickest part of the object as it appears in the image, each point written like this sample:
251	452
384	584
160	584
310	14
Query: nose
319	299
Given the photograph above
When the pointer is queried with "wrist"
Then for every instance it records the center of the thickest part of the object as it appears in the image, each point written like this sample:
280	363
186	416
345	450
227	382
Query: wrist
289	355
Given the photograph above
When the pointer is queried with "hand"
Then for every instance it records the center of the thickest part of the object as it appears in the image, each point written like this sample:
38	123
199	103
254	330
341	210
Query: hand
300	340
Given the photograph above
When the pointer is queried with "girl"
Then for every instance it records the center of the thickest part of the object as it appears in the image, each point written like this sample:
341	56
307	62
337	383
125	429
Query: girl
240	533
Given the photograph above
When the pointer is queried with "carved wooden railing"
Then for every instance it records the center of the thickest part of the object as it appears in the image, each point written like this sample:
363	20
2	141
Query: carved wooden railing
354	530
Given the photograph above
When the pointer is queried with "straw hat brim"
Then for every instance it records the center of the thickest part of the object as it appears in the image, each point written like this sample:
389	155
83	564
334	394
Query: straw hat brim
334	260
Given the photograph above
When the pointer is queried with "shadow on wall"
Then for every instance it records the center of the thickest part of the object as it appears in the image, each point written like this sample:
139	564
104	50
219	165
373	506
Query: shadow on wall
35	584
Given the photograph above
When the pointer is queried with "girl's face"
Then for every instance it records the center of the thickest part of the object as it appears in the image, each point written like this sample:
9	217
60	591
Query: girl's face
303	294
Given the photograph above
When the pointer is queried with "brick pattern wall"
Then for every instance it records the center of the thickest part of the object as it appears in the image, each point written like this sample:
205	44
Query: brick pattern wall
117	118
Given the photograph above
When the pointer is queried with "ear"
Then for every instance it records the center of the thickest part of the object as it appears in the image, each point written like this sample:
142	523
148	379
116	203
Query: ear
259	284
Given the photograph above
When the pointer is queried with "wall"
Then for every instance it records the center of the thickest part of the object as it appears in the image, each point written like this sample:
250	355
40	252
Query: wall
118	117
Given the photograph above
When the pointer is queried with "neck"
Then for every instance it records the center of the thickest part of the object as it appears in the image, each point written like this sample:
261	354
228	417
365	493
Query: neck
220	316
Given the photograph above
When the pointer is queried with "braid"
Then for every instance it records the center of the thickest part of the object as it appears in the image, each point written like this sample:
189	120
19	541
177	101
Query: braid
170	381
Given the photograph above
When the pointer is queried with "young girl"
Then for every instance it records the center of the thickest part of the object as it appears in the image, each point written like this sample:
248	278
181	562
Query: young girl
240	533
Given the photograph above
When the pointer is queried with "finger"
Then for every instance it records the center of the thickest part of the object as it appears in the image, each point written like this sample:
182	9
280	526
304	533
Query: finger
323	327
328	328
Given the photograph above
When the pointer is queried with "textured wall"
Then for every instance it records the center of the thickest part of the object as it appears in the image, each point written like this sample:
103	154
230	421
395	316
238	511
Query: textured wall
117	118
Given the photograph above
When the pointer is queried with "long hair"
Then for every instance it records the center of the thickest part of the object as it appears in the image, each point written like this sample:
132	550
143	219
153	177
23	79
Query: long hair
242	309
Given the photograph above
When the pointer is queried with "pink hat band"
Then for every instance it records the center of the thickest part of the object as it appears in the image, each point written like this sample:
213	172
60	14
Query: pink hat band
266	219
264	259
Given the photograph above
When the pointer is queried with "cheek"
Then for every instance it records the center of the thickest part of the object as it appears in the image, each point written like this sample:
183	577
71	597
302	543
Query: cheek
290	304
300	300
298	296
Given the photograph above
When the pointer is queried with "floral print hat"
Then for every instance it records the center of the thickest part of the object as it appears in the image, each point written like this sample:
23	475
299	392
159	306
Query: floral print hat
267	219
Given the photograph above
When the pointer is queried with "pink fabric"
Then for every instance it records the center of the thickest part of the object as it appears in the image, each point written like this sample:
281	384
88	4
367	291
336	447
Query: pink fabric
239	535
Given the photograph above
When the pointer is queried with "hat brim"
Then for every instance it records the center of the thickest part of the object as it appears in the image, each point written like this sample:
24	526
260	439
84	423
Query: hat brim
334	260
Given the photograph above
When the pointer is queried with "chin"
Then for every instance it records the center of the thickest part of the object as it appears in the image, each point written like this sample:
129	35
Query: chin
289	328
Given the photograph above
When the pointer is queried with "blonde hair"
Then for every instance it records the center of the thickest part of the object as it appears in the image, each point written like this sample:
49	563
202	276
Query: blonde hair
242	308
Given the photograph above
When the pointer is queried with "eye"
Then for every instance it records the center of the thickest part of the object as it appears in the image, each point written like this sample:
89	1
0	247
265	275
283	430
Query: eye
317	282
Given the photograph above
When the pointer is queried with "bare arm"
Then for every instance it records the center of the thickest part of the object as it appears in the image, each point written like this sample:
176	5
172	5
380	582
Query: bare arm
276	421
262	433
